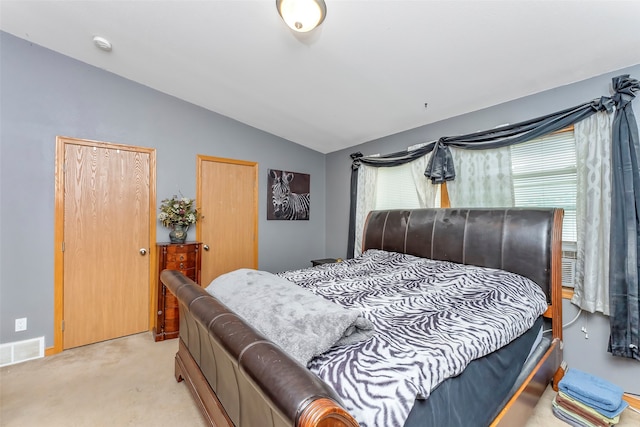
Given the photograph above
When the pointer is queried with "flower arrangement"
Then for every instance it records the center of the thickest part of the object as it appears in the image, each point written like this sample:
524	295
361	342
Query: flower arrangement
177	211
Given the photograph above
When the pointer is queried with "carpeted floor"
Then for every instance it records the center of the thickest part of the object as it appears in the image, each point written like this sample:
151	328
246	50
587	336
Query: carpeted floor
123	382
127	382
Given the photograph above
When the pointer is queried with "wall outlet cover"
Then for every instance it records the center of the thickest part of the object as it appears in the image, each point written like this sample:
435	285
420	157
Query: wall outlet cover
21	324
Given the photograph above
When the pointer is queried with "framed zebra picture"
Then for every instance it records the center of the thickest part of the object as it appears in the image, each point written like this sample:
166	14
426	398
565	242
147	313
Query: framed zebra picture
288	195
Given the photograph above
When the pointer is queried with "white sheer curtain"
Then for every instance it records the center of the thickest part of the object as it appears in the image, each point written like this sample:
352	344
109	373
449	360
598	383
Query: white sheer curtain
366	201
483	178
426	190
593	211
408	174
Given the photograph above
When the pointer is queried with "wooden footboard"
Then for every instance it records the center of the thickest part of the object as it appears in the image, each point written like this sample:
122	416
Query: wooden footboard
188	370
237	376
321	412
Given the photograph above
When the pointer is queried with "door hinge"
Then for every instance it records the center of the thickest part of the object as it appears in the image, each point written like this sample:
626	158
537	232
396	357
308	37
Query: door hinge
63	325
62	246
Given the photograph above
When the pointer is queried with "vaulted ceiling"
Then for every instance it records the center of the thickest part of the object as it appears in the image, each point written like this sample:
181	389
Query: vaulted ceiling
373	68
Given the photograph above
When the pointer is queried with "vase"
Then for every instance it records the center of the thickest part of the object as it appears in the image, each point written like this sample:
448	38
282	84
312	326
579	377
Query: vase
178	233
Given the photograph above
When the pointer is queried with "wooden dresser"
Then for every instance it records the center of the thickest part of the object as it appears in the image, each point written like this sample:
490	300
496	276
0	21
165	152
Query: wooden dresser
185	257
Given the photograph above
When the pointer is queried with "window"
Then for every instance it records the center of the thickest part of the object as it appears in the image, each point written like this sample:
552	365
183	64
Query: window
544	175
395	188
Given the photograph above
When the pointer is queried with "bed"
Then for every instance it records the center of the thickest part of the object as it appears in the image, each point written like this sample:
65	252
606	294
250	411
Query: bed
238	377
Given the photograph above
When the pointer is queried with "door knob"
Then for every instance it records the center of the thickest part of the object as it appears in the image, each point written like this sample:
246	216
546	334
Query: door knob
205	247
143	251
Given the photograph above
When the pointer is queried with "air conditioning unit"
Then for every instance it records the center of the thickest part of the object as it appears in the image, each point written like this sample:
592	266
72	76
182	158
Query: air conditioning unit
568	272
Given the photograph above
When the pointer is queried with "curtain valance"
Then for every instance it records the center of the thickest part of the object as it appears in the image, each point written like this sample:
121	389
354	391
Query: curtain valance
441	167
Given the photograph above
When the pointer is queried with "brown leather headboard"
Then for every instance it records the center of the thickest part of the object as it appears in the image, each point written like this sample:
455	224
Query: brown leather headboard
519	240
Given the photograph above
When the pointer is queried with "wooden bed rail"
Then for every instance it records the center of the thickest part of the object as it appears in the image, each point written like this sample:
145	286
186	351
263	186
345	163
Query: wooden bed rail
556	275
521	405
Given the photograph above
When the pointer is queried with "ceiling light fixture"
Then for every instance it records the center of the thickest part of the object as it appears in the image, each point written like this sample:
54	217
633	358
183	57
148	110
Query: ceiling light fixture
302	15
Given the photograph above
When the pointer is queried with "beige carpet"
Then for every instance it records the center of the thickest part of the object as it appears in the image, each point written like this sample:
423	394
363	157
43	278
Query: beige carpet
126	382
123	382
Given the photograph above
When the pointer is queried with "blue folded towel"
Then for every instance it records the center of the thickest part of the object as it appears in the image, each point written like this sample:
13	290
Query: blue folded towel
593	391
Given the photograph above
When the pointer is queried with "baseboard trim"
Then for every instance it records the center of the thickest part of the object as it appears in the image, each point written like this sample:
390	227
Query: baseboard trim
633	401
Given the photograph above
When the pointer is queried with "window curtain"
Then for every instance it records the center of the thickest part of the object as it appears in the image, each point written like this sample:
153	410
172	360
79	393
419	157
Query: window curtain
426	191
624	303
367	177
484	178
593	212
625	224
366	201
440	167
387	160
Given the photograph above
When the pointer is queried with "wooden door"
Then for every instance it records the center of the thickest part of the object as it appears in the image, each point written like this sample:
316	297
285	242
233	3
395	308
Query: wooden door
106	241
227	193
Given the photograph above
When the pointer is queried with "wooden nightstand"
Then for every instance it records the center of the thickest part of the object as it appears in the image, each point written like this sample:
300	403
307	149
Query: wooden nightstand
315	262
184	257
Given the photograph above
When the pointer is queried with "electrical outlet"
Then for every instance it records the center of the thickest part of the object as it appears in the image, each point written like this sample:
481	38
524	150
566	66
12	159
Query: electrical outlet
21	324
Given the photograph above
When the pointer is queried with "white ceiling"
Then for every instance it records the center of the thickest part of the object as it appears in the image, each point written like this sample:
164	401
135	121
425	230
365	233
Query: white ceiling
367	72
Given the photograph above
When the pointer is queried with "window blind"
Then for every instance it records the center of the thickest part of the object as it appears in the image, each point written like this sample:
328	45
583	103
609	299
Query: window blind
544	175
395	188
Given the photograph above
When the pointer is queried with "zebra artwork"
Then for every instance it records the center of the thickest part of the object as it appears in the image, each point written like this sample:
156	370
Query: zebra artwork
286	204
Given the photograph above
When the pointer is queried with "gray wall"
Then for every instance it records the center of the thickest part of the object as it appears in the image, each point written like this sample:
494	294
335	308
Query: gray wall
586	354
45	94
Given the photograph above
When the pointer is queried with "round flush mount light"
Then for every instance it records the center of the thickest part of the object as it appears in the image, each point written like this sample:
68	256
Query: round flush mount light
302	15
102	43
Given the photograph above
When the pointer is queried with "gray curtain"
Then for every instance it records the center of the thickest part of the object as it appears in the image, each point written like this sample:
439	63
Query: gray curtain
625	224
441	167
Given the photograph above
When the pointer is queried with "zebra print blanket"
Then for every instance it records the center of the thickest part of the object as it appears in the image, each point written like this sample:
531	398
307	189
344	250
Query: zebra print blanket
431	319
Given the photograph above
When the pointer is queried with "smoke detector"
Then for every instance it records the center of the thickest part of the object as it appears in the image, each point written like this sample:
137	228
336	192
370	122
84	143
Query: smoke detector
102	43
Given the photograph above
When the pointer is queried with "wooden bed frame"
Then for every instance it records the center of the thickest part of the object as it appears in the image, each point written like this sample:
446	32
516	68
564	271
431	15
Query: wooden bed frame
238	377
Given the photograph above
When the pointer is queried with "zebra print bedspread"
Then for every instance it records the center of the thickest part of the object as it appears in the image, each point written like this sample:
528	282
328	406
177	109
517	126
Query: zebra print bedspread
431	318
